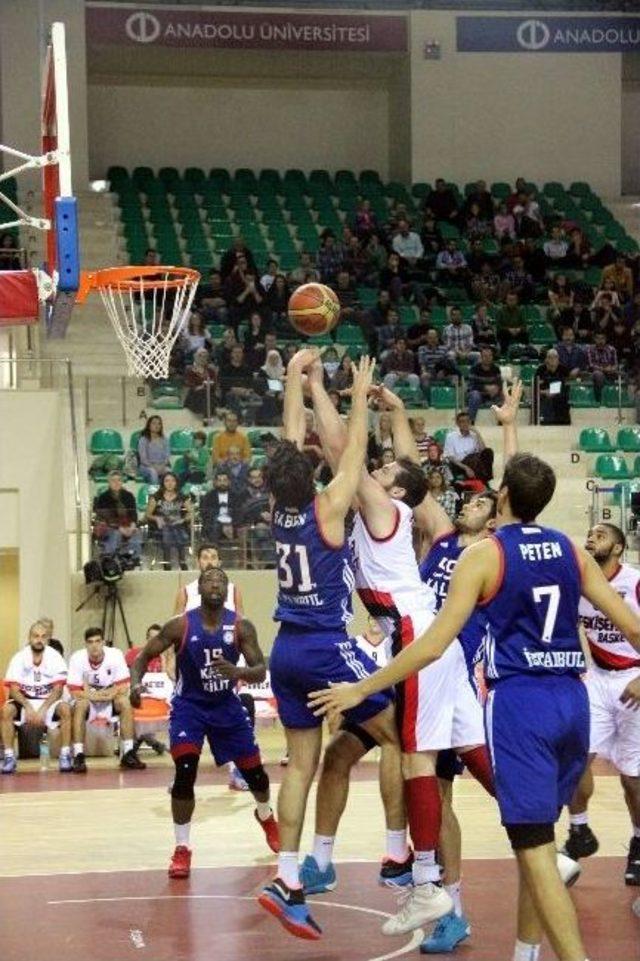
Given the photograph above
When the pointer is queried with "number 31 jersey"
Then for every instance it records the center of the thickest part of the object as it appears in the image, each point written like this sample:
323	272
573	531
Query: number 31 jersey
315	577
533	613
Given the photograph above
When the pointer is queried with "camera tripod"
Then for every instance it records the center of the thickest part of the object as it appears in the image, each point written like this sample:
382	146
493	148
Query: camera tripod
112	603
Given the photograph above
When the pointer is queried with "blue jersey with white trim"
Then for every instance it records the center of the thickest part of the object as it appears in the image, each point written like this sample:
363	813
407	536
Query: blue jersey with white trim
436	570
315	578
533	615
195	661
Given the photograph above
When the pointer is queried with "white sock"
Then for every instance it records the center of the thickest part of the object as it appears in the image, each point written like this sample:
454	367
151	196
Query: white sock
526	952
425	868
264	810
636	832
455	893
127	745
9	752
78	748
230	767
288	868
323	850
182	833
65	751
397	848
576	819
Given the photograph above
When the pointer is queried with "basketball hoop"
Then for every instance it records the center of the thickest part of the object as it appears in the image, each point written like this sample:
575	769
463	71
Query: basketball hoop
147	307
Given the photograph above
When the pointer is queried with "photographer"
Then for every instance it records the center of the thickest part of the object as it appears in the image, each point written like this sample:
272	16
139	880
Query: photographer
116	518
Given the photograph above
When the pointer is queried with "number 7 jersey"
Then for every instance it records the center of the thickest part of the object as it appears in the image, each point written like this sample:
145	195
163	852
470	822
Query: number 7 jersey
533	612
315	577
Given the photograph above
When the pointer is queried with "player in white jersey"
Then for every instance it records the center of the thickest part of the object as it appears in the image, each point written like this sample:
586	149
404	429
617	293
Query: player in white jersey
613	683
99	683
374	643
188	598
35	681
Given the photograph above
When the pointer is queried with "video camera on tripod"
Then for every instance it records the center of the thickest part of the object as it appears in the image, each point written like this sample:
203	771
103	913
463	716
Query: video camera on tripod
106	572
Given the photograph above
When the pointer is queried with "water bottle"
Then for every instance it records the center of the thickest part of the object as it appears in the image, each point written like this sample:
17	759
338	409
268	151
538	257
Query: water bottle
44	752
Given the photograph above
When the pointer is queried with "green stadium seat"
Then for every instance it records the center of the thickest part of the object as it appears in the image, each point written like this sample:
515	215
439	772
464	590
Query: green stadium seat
443	397
180	441
407	315
258	460
440	435
421	190
350	336
631	488
581	395
500	190
612	467
142	497
542	334
167	402
133	440
629	439
610	396
579	189
596	440
254	436
636	467
106	441
367	296
412	396
527	372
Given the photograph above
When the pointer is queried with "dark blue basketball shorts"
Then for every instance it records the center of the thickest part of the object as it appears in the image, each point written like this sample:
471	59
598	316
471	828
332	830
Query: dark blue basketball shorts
537	731
302	661
226	726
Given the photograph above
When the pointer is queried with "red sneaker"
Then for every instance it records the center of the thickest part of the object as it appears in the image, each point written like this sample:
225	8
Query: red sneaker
180	864
270	828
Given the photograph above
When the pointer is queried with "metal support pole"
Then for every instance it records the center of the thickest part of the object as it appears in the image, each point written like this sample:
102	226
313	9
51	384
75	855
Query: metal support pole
619	397
76	469
123	392
87	414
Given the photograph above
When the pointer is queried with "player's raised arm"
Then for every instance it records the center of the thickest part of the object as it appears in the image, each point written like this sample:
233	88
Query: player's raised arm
507	415
331	428
474	577
293	419
597	589
180	604
170	636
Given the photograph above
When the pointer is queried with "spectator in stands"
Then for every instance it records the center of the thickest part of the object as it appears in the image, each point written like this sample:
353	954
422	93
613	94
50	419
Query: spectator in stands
511	324
417	333
579	251
269	275
328	258
570	354
504	224
9	253
476	224
605	315
451	263
442	492
305	272
375	260
556	247
196	377
345	288
151	257
482	199
457	338
578	318
365	221
342	378
116	515
436	461
244	292
408	246
196	336
535	261
236	382
602	362
153	450
255	515
622	277
388	333
380	438
394	278
398	368
516	278
551	385
422	439
170	512
621	339
607	291
485	383
485	286
259	354
237	469
354	260
234	256
442	202
484	332
254	337
211	299
434	361
269	385
222	352
230	437
312	445
220	511
529	222
197	461
376	318
467	452
519	191
561	297
277	300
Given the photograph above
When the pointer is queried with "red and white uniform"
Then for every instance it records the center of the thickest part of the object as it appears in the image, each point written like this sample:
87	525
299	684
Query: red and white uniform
388	582
37	681
111	670
615	728
192	594
379	653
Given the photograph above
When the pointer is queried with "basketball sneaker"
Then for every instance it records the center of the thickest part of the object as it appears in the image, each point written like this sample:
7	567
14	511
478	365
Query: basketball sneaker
568	869
180	863
449	932
396	874
581	843
419	905
132	762
270	828
79	765
65	763
289	907
236	780
315	881
9	765
632	872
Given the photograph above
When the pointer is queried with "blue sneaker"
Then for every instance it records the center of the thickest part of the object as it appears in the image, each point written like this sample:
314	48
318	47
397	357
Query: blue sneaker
315	881
289	907
396	874
236	780
9	764
449	932
65	764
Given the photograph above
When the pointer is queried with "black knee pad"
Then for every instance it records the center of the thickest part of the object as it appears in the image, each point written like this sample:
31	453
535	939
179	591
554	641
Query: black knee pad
256	777
448	764
368	742
250	707
186	773
530	835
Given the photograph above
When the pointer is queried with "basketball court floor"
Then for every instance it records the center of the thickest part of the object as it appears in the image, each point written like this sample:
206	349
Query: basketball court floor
84	859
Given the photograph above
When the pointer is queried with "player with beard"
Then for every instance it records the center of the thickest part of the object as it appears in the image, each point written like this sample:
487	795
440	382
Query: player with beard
208	642
613	683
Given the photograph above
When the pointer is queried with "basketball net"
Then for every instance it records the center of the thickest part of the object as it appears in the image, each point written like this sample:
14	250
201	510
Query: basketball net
147	307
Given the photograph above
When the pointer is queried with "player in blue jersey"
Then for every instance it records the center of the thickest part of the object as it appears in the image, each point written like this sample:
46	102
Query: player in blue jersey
312	648
529	580
208	641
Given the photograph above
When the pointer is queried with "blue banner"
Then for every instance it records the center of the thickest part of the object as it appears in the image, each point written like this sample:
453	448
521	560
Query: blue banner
548	34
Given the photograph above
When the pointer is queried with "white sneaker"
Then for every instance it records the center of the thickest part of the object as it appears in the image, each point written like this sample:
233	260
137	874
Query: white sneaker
419	905
568	869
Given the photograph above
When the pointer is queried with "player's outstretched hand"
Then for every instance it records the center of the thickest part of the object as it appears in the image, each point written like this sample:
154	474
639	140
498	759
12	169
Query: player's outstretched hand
315	373
630	697
303	358
335	700
507	412
386	398
362	376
